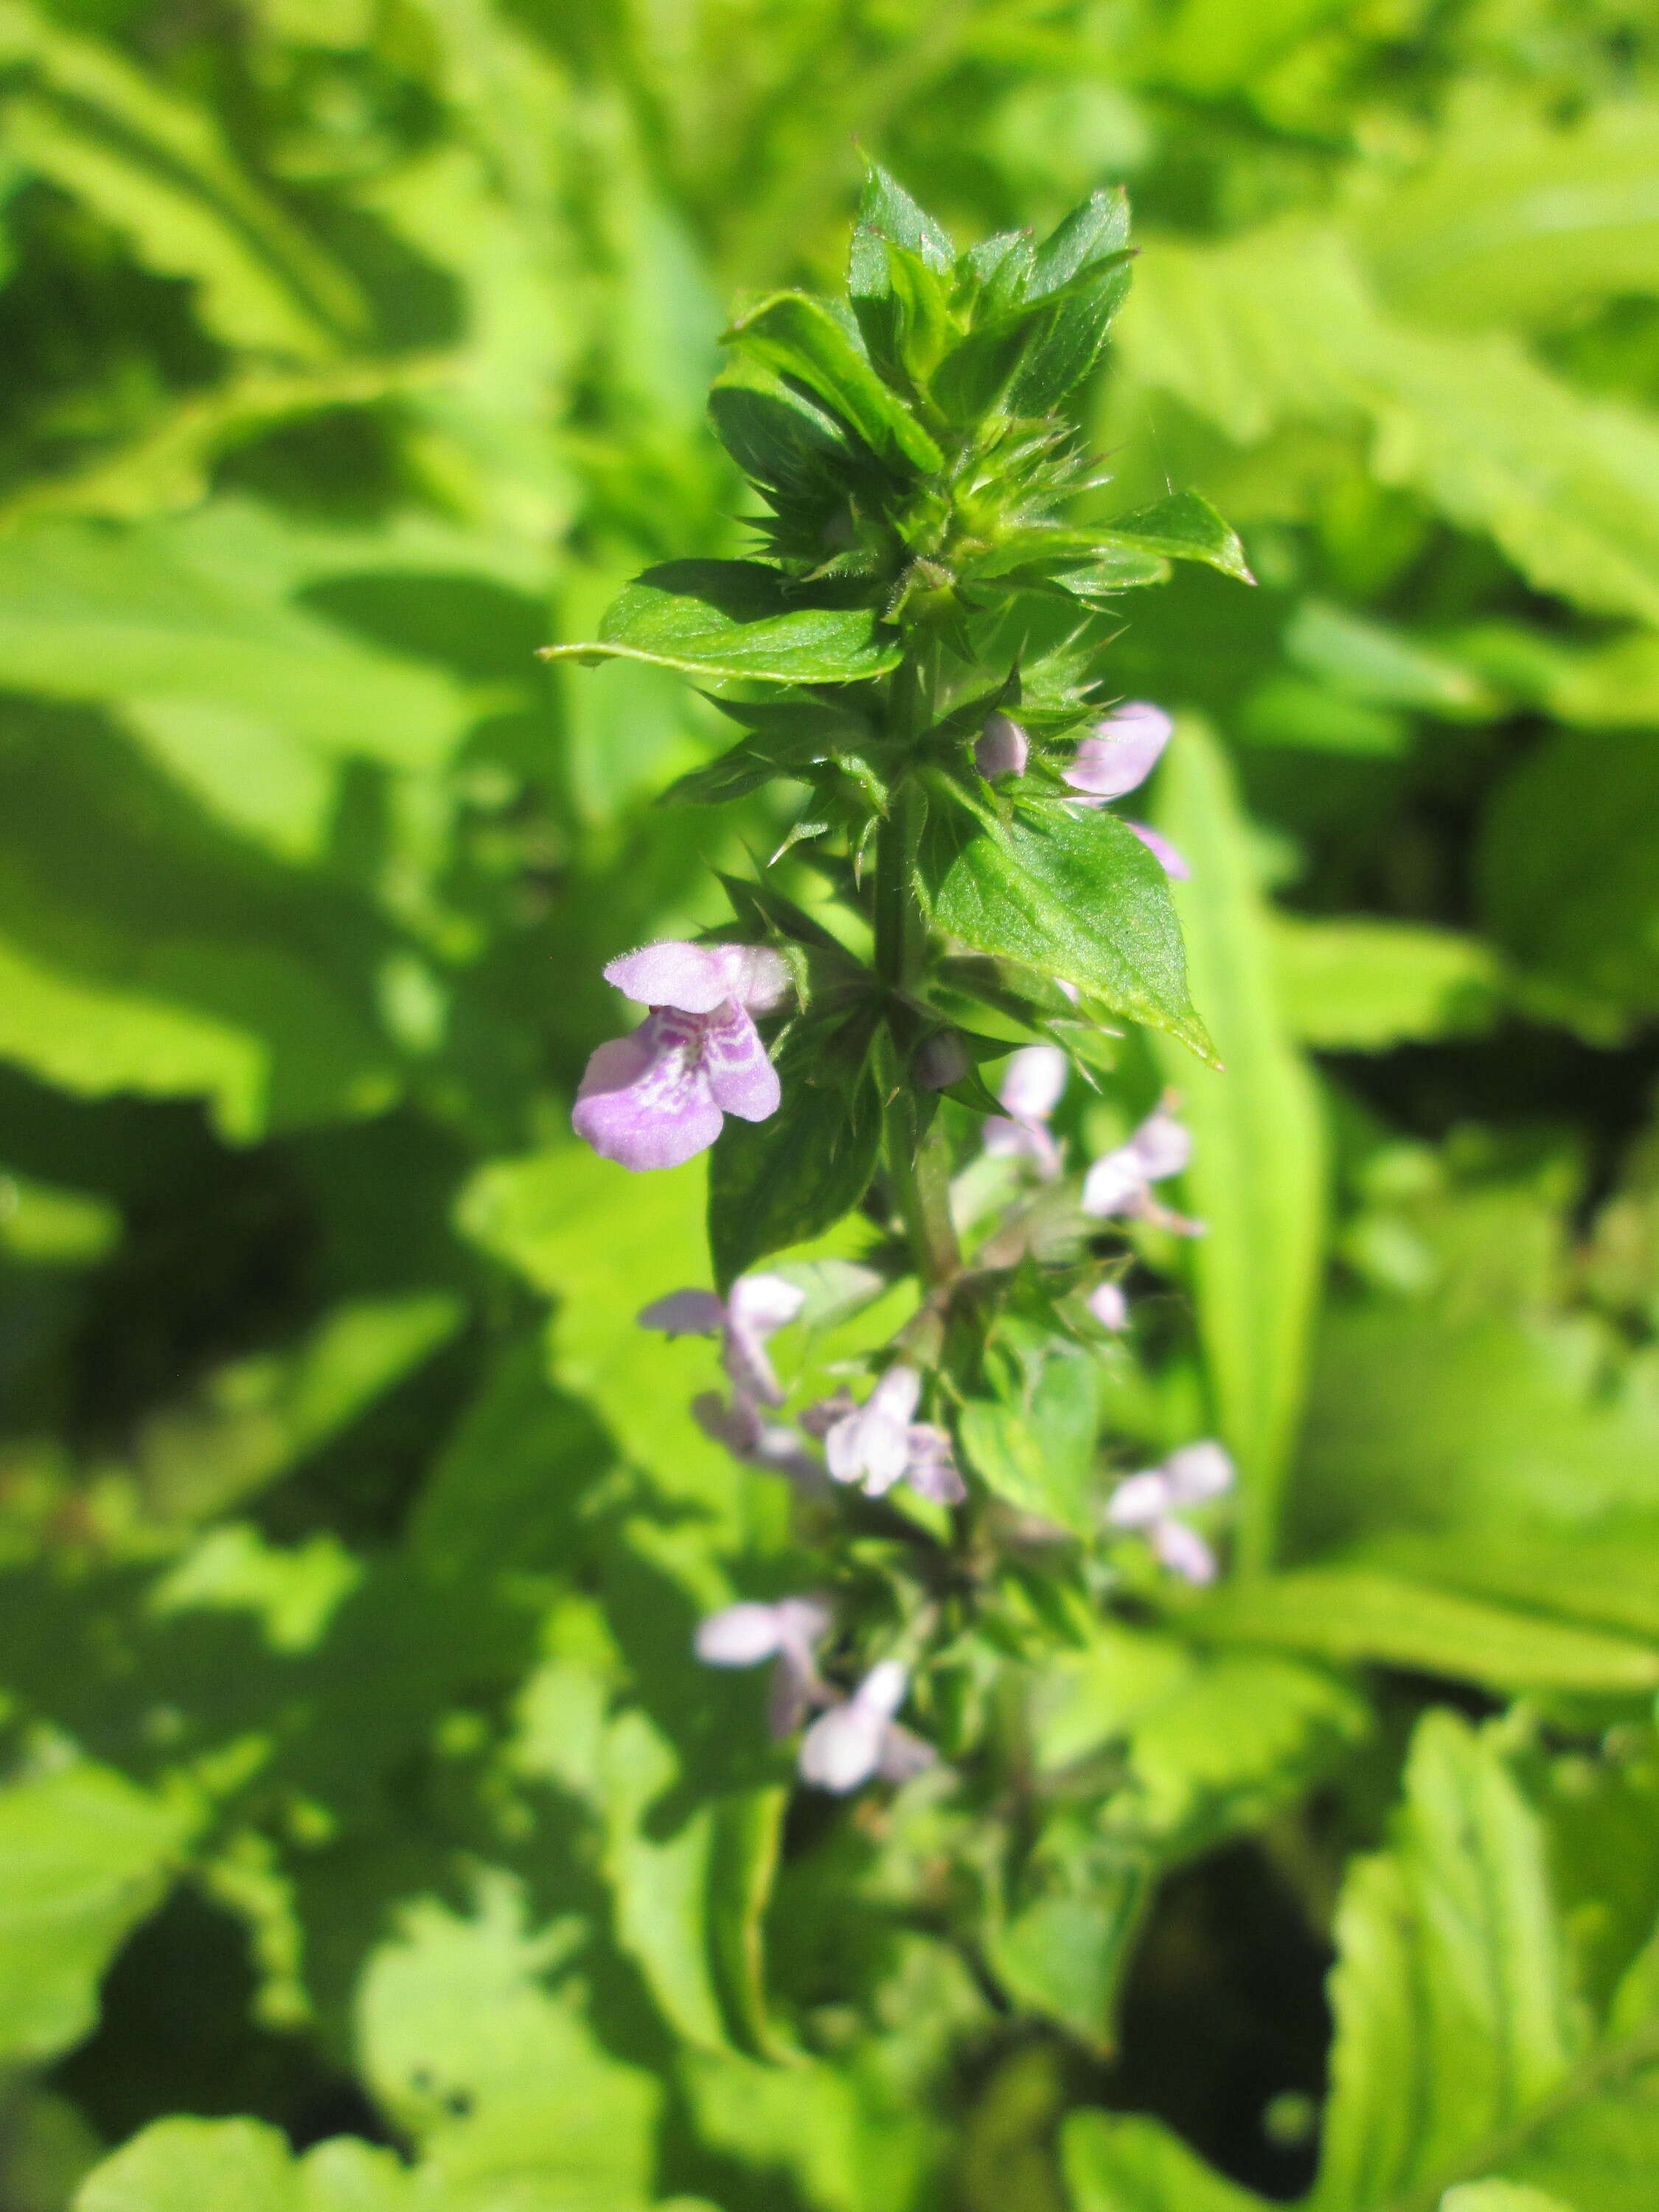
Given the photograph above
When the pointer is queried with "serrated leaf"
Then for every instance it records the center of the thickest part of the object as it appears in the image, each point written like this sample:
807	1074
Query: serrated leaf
184	2165
1037	1452
1183	527
887	213
1258	1173
1074	896
728	619
799	336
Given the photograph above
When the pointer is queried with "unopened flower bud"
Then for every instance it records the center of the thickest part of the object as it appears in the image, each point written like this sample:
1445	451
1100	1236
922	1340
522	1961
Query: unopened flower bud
1003	749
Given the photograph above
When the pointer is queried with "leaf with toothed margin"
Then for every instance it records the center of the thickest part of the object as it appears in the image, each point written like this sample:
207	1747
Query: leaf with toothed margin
727	619
1078	896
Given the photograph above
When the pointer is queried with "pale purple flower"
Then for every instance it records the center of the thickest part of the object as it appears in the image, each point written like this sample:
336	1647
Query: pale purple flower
860	1738
1116	757
1031	1086
743	1428
1002	749
1107	1303
788	1632
657	1097
758	1306
1121	1181
881	1443
1148	1503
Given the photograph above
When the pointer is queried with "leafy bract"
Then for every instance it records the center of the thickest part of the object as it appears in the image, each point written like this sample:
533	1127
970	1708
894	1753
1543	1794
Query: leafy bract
718	619
803	338
1074	895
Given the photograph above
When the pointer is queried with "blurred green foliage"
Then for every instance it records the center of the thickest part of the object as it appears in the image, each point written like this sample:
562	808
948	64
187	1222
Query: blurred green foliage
370	1839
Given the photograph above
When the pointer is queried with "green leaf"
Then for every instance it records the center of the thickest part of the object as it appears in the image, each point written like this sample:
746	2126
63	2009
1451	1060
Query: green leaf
1567	876
1454	2015
777	1183
1183	527
493	2073
1062	1951
1468	2072
1065	340
1514	221
736	618
1076	896
155	166
801	336
1258	1173
1361	986
84	1856
788	739
1277	326
1353	1614
1036	1453
887	213
777	434
182	2165
1113	2164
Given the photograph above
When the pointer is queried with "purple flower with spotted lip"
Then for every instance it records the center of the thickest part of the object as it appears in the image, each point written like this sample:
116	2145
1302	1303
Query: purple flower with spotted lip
1148	1503
1117	756
657	1097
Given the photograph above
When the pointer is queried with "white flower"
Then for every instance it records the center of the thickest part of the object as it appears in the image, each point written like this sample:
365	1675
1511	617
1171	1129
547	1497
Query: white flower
758	1307
788	1631
860	1738
1148	1502
1121	1182
1109	1307
741	1426
1032	1085
881	1443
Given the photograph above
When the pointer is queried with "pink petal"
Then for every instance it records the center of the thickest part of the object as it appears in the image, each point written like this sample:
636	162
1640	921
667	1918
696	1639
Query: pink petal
897	1394
688	977
1115	1184
1138	1500
932	1472
739	1076
1121	752
765	1302
842	1747
1184	1551
1198	1472
1005	1140
741	1636
1161	1146
1109	1306
1162	851
684	1313
644	1101
1003	749
904	1755
754	975
1033	1082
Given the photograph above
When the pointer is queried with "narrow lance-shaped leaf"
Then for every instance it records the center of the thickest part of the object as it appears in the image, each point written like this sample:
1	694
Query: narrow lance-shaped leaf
801	336
1257	1178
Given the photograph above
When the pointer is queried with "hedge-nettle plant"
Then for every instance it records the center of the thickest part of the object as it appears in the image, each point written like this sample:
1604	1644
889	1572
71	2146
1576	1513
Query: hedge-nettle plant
924	646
